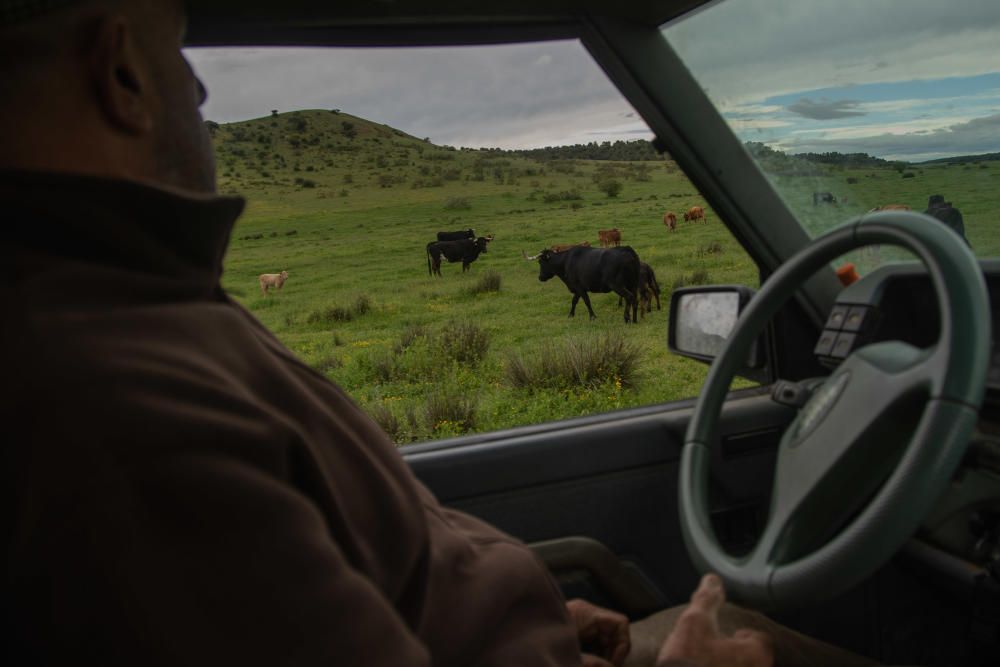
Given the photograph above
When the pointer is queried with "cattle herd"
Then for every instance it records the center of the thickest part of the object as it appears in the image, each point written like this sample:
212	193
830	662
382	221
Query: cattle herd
582	268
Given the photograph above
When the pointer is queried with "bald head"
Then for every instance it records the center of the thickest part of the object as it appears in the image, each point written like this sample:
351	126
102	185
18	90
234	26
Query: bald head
100	87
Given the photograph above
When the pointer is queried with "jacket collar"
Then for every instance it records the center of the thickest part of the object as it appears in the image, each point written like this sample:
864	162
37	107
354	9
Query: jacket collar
127	224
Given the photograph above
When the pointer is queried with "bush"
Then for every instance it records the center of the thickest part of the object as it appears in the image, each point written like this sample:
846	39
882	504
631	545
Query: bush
611	358
457	203
488	282
465	342
611	187
908	174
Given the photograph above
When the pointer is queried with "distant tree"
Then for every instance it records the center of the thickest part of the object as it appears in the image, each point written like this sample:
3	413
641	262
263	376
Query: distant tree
348	129
274	112
335	111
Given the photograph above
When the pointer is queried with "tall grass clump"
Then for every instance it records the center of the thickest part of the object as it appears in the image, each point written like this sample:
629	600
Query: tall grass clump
587	362
336	313
385	418
450	412
488	282
457	203
465	342
697	277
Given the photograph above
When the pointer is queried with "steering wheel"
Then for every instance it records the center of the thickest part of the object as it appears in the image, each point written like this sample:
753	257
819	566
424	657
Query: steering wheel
875	445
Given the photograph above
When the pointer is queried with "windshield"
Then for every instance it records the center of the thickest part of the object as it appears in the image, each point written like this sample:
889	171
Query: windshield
862	104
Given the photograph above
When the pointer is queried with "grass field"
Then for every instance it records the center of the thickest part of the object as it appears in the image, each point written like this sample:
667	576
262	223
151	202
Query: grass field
347	208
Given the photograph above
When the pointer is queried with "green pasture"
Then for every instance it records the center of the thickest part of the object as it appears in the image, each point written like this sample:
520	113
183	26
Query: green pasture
347	208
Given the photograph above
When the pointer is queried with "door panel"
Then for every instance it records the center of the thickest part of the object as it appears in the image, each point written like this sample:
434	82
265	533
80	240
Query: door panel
613	478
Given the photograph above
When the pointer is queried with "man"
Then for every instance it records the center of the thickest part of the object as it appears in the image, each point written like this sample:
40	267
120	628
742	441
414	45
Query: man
938	208
181	489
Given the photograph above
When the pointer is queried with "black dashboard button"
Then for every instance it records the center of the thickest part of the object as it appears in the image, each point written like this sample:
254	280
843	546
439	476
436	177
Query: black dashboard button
843	345
825	344
857	318
838	315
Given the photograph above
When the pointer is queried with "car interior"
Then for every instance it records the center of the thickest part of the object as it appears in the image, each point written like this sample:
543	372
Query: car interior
849	487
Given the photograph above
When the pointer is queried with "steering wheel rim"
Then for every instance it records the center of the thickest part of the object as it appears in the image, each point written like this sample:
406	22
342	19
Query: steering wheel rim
953	373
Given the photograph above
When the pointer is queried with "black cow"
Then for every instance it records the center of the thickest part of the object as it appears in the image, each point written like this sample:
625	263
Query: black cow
823	198
456	236
464	250
649	289
586	270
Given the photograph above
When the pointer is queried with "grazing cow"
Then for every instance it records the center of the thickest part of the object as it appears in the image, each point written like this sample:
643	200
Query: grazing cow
456	236
670	220
649	289
695	213
610	237
268	280
563	247
823	198
891	207
601	270
463	250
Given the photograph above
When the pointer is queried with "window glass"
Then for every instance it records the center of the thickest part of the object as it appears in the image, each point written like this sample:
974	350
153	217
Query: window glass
862	104
353	160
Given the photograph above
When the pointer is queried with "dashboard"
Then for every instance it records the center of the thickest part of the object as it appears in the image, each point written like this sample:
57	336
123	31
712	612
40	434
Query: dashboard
960	538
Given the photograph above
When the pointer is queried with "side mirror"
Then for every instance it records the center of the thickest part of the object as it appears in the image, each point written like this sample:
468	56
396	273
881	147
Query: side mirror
701	319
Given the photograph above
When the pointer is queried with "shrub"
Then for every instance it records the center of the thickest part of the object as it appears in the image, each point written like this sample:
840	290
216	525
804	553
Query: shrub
457	203
851	180
908	174
328	363
577	363
610	187
465	342
488	282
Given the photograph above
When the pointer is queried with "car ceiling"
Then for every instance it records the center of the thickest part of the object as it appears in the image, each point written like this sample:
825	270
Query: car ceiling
408	22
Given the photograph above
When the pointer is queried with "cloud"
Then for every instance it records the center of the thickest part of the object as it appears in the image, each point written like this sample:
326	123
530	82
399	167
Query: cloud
510	96
825	109
979	135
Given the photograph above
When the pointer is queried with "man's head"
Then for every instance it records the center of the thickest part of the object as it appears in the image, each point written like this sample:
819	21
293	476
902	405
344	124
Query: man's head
101	87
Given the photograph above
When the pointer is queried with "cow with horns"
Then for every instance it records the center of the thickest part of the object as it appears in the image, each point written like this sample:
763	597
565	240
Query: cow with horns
599	270
464	250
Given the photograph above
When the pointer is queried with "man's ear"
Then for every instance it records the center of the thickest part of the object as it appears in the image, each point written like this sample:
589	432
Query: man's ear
122	76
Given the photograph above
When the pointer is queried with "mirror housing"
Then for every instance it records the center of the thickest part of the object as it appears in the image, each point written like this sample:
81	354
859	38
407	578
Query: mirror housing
701	319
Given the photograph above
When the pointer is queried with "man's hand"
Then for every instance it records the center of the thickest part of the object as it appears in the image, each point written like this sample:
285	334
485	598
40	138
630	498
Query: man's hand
601	631
696	637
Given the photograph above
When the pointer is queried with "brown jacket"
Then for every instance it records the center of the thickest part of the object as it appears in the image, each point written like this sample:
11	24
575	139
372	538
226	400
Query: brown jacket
181	490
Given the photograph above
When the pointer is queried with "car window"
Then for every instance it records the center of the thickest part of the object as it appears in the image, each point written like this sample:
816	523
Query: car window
352	161
853	106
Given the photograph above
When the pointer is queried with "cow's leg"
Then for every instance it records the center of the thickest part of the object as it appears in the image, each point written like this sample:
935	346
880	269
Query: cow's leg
572	307
590	309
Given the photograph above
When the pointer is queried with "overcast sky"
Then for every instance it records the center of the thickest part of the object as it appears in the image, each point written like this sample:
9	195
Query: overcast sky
902	79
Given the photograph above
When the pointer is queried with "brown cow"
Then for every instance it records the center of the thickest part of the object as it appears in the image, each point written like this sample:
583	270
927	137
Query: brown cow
695	213
610	237
268	280
670	220
891	207
563	247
